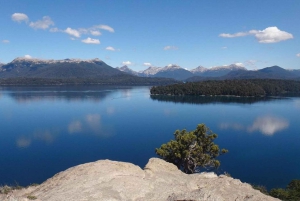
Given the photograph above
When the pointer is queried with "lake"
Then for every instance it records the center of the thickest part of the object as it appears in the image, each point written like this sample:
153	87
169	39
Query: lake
45	130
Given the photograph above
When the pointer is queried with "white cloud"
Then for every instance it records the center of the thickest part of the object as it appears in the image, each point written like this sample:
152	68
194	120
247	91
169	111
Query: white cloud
105	27
55	29
72	32
170	48
250	62
239	64
95	32
19	17
5	41
268	125
224	47
127	63
298	55
147	64
45	23
91	41
27	56
268	35
110	48
239	34
271	35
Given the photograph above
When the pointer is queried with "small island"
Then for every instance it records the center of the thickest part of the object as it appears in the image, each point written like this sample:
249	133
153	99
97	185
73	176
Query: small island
245	88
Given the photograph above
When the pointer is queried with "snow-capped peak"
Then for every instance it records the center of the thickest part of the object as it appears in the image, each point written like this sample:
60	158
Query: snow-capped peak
151	70
237	66
171	67
50	61
199	69
126	69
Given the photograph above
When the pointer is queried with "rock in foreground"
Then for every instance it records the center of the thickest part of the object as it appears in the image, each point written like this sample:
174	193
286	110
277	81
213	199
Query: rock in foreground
110	180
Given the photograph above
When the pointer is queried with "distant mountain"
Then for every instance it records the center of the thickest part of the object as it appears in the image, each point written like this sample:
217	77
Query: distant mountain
1	64
295	72
67	68
174	71
273	72
217	71
126	69
199	70
151	71
24	70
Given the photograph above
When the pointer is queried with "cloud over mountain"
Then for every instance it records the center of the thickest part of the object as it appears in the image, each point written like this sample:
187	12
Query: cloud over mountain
127	63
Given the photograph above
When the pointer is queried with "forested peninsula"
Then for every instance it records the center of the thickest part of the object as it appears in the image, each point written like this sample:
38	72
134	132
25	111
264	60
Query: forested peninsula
255	87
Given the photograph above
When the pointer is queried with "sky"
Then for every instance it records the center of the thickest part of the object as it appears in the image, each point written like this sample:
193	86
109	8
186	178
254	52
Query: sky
143	33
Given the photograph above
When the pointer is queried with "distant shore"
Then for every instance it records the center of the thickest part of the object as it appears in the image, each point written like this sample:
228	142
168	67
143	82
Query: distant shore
236	88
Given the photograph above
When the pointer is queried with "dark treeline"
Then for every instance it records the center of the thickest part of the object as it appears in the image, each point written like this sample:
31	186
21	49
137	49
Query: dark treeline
210	99
256	87
114	80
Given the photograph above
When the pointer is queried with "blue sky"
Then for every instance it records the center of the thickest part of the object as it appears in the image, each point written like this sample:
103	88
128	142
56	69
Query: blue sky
188	33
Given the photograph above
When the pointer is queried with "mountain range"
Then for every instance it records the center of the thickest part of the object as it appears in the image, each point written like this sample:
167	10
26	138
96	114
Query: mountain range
233	71
176	72
70	71
73	71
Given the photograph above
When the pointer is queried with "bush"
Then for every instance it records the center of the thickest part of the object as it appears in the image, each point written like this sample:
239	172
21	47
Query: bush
192	150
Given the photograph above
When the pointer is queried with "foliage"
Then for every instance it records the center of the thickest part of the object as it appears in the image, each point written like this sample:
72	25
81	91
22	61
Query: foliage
258	87
261	188
192	150
31	197
5	189
291	193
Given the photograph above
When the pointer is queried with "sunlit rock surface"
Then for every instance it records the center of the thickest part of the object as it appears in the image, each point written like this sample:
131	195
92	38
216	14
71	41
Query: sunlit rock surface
112	180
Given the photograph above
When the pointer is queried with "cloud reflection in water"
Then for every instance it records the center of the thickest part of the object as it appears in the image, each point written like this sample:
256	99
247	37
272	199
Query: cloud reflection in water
90	123
23	142
267	125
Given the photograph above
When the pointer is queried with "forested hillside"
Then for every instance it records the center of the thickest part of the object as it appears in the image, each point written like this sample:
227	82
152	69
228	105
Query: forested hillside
256	87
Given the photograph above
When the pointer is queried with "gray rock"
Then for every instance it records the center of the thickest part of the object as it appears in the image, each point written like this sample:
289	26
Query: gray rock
110	180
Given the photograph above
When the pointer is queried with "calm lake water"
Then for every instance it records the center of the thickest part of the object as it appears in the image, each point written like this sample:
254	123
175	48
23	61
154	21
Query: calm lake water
45	130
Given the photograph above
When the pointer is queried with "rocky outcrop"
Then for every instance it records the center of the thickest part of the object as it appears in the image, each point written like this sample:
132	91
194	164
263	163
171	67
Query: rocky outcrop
110	180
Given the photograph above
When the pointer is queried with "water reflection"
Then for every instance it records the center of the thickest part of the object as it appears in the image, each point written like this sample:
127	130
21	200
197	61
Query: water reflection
110	110
267	125
47	136
75	127
91	124
297	104
69	93
210	99
23	142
